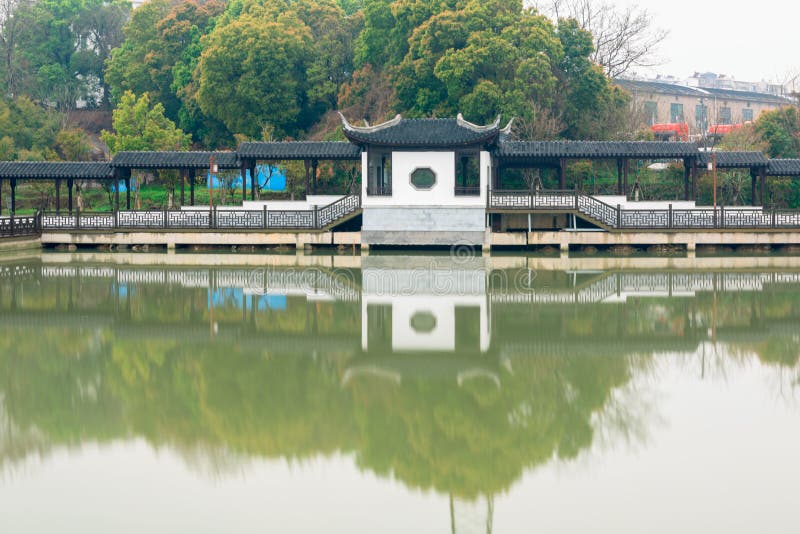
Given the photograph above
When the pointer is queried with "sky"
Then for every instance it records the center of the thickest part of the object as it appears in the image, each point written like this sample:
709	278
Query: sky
750	40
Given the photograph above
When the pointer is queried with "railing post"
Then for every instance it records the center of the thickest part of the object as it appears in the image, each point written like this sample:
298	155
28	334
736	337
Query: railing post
266	220
715	217
774	219
722	216
530	198
576	198
211	218
669	217
12	223
166	220
77	218
619	216
116	219
316	220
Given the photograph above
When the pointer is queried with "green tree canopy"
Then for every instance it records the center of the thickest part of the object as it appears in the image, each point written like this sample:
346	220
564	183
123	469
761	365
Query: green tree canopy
138	126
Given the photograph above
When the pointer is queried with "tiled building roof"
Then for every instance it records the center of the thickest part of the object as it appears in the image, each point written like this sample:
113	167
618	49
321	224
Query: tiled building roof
735	160
48	170
784	167
595	149
400	132
297	150
174	160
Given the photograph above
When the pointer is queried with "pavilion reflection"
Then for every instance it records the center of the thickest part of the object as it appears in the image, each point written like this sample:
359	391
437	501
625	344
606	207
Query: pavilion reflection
445	375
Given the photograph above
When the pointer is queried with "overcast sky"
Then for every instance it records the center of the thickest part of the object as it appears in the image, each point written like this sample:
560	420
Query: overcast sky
749	40
752	40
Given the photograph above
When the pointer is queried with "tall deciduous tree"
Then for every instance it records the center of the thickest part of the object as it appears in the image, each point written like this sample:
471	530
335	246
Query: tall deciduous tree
624	38
140	126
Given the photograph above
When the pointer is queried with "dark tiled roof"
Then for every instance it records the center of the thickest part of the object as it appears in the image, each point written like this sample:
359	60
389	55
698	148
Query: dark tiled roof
595	149
32	170
659	87
423	133
784	167
174	160
765	98
331	150
735	160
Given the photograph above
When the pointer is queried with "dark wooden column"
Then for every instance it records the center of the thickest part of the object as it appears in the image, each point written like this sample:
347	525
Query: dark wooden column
70	184
314	164
244	183
762	197
619	176
561	174
13	196
116	188
753	180
58	195
191	186
253	179
687	176
695	171
243	174
127	189
1	196
183	187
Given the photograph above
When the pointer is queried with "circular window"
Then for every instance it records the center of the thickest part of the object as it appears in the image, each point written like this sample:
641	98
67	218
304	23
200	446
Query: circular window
423	322
423	178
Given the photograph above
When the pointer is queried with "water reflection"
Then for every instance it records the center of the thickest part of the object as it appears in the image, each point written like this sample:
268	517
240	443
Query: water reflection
451	376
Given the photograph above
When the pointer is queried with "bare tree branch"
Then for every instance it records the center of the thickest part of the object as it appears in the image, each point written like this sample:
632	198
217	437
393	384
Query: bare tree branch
624	38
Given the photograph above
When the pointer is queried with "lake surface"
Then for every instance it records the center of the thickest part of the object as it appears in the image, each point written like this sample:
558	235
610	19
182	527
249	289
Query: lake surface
398	394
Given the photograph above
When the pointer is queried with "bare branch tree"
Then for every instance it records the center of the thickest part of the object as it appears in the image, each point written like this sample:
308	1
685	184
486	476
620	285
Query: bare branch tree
624	38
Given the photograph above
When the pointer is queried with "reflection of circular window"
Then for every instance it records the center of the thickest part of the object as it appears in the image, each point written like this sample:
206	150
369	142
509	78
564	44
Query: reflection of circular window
423	322
423	178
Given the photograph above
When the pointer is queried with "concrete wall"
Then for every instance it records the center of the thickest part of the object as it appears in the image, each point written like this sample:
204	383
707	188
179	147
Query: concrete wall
441	194
423	226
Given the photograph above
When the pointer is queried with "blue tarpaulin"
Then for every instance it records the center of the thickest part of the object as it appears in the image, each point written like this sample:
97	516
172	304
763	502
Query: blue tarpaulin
275	182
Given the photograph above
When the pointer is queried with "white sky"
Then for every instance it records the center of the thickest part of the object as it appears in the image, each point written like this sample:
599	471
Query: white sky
749	40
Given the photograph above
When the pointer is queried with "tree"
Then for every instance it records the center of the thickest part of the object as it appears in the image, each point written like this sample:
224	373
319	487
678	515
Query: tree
159	55
138	126
624	38
780	130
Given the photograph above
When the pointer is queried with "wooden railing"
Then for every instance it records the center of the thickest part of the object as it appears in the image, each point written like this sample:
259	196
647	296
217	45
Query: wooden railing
642	219
19	226
317	218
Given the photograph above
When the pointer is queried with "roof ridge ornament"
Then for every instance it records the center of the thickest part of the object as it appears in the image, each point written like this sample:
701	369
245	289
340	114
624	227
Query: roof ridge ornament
475	127
369	129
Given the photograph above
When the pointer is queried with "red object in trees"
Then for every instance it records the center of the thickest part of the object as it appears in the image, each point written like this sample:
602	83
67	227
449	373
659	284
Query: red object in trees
675	130
722	129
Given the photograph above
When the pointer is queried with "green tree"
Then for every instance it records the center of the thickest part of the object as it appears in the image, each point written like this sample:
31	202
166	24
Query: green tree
780	130
138	126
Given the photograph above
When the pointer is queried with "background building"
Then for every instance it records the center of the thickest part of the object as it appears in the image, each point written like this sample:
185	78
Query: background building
711	101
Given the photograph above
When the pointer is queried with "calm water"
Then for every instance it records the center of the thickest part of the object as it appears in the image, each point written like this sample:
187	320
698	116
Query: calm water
398	394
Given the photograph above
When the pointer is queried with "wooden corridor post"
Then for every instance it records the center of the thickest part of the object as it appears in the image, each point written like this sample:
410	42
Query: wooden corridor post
753	180
253	180
70	185
183	187
1	196
619	176
13	196
625	170
58	195
561	174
